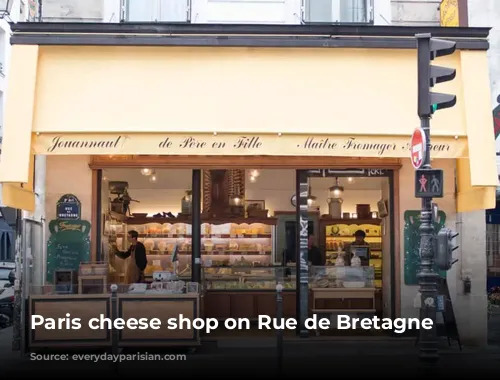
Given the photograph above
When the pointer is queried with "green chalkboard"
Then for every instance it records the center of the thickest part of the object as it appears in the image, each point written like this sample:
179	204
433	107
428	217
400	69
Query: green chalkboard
412	244
68	245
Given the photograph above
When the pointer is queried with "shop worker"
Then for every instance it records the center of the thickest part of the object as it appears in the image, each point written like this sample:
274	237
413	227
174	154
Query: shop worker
314	254
138	260
359	239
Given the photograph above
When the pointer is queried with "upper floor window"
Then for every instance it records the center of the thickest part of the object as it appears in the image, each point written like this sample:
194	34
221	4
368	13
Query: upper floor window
156	10
337	11
249	11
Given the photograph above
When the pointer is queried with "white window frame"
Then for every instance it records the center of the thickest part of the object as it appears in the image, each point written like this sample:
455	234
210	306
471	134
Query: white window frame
336	14
292	11
124	13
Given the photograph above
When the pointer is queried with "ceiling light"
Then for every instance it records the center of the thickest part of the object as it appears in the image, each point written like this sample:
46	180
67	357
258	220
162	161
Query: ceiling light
146	171
336	191
350	179
153	178
253	179
310	198
254	173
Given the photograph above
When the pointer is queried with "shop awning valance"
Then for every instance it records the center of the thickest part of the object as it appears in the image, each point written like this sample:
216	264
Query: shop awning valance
148	100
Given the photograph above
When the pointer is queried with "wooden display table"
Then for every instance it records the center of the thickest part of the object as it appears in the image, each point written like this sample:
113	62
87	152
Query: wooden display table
346	301
88	306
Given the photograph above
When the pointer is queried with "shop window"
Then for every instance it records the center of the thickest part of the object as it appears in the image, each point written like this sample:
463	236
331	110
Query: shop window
156	10
337	11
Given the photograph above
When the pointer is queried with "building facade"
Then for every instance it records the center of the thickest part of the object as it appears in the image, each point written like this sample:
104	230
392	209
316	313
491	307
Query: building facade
468	180
378	12
22	10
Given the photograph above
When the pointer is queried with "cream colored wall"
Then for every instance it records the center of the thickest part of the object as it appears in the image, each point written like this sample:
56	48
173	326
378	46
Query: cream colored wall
68	175
276	187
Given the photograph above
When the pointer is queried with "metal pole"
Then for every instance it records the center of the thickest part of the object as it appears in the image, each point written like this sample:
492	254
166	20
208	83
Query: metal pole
302	268
40	11
427	277
18	296
196	227
279	332
115	334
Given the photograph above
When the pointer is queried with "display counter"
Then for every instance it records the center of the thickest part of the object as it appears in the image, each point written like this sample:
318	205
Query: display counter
78	306
342	290
163	306
152	304
244	291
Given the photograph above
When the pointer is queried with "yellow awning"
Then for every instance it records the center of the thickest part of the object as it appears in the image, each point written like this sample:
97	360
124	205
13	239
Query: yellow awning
21	195
53	94
16	160
477	176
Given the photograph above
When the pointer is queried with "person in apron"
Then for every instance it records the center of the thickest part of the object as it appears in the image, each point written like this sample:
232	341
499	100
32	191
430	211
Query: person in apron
137	260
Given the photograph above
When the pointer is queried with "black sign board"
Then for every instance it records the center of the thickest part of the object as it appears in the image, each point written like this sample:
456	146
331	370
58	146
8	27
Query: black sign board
347	173
68	208
429	183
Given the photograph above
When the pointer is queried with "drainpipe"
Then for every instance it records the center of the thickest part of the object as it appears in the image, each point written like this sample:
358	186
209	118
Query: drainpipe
40	7
17	325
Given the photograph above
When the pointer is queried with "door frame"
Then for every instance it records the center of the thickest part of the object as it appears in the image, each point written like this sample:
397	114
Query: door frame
394	255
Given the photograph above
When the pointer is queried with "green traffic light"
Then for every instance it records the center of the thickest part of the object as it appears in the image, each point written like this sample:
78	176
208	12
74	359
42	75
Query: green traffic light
434	108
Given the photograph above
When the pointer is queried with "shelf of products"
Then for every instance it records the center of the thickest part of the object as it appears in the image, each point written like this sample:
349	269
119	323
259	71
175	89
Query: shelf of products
224	244
337	235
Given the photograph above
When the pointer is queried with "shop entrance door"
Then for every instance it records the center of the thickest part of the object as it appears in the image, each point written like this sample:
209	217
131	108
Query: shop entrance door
385	274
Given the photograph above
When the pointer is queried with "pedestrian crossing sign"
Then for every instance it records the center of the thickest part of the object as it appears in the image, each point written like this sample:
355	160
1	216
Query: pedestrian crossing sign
429	183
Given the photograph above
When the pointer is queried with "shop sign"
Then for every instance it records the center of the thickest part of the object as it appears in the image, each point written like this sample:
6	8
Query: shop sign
347	173
241	145
68	208
449	13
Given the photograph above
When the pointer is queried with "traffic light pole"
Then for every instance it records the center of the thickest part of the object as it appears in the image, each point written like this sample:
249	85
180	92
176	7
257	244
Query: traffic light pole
427	277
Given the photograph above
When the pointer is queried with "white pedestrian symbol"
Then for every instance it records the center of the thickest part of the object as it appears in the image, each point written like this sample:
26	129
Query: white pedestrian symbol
434	184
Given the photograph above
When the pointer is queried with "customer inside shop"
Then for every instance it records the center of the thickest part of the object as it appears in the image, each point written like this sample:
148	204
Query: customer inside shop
249	236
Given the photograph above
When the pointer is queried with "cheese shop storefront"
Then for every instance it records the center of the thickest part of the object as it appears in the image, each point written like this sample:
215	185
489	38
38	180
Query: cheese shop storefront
120	113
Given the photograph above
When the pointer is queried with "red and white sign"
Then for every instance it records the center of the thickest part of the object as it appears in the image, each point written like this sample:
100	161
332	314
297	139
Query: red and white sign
418	148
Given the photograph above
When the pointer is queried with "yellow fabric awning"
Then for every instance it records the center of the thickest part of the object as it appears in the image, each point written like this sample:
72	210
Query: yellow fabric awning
16	159
21	195
47	95
477	176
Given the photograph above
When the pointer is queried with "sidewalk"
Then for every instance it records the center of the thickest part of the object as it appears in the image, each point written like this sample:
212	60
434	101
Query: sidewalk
391	357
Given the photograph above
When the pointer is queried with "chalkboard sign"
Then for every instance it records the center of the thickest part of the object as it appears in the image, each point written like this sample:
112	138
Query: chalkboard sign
68	245
449	320
68	208
412	244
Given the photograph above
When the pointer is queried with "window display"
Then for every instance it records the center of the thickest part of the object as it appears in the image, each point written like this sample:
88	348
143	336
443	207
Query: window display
224	245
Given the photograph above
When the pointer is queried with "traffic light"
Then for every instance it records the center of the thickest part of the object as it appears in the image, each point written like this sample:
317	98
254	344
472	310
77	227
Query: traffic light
428	75
445	245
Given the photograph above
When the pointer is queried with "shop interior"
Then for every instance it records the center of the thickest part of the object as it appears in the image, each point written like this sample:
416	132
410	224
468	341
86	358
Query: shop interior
249	235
